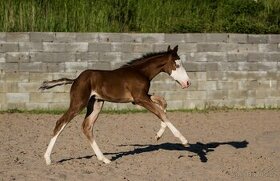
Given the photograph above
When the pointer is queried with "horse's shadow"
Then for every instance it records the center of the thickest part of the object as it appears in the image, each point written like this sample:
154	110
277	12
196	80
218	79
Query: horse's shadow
199	149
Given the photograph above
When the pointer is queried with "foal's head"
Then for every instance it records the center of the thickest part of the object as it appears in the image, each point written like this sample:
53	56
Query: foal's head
175	69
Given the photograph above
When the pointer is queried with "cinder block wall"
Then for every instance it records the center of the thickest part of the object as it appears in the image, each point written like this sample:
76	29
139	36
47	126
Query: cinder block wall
235	70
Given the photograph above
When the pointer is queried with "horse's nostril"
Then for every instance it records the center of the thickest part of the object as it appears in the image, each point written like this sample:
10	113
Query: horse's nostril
188	83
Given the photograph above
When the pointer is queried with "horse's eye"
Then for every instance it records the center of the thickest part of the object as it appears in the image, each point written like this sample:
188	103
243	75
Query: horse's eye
177	65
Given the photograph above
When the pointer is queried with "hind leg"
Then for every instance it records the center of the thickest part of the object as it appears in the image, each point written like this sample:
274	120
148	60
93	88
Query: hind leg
93	109
76	105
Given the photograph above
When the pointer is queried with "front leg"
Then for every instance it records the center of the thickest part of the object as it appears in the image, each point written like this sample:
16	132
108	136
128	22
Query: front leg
160	102
146	102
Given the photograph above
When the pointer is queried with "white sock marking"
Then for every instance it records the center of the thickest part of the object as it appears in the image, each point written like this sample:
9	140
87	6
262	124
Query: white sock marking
47	155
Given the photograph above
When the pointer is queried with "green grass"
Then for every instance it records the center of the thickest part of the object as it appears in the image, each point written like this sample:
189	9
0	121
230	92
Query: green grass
169	16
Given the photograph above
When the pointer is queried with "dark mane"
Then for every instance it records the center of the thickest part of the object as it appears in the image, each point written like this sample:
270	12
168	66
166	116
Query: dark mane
144	58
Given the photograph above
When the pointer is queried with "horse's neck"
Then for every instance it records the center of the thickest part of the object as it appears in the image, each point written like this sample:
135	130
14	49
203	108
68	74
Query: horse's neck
152	68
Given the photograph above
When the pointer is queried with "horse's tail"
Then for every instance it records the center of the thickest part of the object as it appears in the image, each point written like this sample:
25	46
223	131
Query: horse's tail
54	83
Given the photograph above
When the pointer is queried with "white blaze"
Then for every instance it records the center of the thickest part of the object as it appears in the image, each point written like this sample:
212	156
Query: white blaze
180	74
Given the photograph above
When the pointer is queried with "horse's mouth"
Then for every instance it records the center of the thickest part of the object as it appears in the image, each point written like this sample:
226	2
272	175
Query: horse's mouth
184	85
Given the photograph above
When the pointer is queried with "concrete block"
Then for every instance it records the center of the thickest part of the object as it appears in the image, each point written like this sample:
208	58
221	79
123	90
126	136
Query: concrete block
61	97
237	38
131	37
212	66
11	87
195	37
17	77
143	48
184	47
237	57
39	77
16	105
217	94
87	56
2	98
256	57
110	56
237	75
17	97
274	38
247	66
195	67
247	84
17	57
216	75
33	67
199	94
266	93
142	37
257	75
3	37
274	75
99	47
125	57
273	57
9	47
63	37
225	66
65	47
17	36
3	87
197	75
247	48
122	47
152	37
196	57
100	65
267	66
75	66
11	67
52	57
268	47
28	87
2	57
87	37
41	97
217	37
237	94
256	39
59	75
109	37
227	85
210	47
216	57
56	105
230	47
168	38
30	46
55	67
267	84
207	85
194	104
41	36
250	102
36	106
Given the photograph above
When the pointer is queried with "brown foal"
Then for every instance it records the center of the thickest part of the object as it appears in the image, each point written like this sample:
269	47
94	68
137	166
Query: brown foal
130	83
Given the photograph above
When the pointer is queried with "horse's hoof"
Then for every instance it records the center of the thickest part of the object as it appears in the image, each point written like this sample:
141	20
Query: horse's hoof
106	161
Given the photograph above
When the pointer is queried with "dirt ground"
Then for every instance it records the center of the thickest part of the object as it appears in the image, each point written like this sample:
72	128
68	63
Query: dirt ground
233	145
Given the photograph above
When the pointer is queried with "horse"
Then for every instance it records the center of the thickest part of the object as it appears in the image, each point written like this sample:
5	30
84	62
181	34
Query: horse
128	84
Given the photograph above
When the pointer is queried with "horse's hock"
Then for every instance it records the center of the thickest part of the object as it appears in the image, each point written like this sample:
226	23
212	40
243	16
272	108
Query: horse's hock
232	70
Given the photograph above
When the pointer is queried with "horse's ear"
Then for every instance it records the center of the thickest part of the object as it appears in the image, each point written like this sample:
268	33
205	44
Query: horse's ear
175	49
168	48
